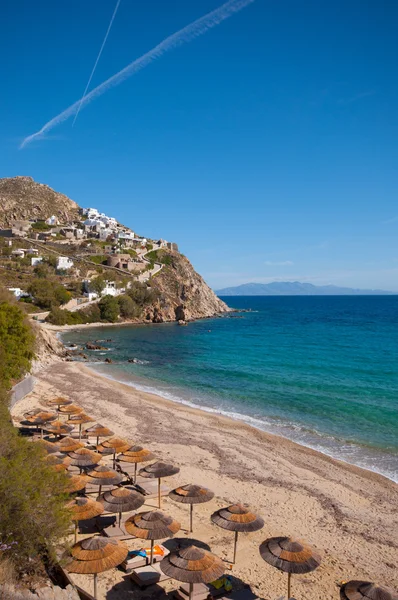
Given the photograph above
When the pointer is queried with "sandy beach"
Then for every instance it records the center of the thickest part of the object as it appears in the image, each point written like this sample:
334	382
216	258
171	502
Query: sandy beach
348	514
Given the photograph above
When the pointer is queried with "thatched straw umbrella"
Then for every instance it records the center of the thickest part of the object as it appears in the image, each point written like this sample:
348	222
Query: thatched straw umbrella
58	402
98	431
104	476
39	419
76	483
59	428
192	565
80	419
121	500
68	444
135	455
158	470
82	509
152	525
114	444
70	409
290	556
237	518
58	460
49	447
83	457
364	590
95	555
191	494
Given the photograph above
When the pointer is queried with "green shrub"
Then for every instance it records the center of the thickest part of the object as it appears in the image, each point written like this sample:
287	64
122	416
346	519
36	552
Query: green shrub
41	226
99	259
16	342
48	294
109	308
142	294
97	284
128	308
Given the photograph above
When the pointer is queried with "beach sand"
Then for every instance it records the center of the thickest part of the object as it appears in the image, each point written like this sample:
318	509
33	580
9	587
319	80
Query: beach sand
348	514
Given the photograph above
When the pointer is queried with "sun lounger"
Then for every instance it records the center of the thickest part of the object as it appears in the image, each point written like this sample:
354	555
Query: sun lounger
118	533
148	575
150	488
200	591
134	562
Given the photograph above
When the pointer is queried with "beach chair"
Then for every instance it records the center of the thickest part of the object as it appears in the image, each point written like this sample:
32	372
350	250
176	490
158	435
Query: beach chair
149	488
200	591
148	575
134	561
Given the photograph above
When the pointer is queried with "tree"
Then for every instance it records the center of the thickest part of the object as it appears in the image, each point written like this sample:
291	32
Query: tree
97	285
128	308
109	308
41	271
16	342
48	294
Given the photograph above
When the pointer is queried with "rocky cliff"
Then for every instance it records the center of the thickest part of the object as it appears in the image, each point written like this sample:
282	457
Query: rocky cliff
184	294
22	198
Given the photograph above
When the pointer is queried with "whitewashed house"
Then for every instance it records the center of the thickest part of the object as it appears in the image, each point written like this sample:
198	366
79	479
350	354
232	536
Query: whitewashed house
36	260
32	251
91	213
16	291
52	220
64	263
19	253
105	233
110	289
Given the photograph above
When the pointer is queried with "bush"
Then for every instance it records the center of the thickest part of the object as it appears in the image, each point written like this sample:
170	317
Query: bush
99	259
97	285
58	316
141	294
128	308
41	226
48	294
41	271
16	342
109	308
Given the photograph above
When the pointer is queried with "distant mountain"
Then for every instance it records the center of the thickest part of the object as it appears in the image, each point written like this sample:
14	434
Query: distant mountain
296	288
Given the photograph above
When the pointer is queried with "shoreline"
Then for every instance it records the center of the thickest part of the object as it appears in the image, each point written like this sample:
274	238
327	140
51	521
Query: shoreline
240	419
346	512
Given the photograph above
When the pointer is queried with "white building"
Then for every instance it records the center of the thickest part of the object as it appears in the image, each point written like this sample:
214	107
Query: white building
32	251
36	260
105	233
52	220
125	235
93	223
19	253
110	289
91	213
64	263
16	291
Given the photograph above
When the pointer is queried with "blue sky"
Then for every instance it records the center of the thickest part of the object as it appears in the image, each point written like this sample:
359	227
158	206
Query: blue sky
267	148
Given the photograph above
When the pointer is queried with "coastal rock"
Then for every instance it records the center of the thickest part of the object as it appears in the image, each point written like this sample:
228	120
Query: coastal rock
50	592
108	360
184	295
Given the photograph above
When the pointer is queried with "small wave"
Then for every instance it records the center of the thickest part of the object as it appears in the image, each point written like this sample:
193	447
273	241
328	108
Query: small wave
345	451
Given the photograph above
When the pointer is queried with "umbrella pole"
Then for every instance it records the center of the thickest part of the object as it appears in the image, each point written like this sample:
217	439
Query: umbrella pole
99	492
120	518
235	546
289	575
41	433
114	459
135	473
97	440
151	559
190	591
95	585
159	499
80	432
75	532
190	518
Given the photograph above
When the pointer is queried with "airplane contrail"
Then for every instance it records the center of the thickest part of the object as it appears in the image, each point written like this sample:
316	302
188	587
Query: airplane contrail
96	62
183	36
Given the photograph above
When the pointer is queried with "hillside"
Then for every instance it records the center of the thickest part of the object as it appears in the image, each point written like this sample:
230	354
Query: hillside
295	288
22	198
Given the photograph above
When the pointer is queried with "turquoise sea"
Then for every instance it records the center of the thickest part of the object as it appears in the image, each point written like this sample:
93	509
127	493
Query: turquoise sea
322	371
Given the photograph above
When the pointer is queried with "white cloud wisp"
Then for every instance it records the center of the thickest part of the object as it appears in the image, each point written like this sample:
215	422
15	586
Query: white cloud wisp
183	36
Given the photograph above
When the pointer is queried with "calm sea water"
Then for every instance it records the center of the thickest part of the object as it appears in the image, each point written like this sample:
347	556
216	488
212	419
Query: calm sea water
322	371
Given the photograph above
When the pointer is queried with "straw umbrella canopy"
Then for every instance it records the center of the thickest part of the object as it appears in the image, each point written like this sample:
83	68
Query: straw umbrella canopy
98	431
364	590
289	555
158	470
95	555
59	428
104	476
135	455
49	447
238	518
114	444
39	419
191	494
121	500
152	525
83	457
70	409
58	402
80	419
58	460
82	509
192	565
68	444
76	483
